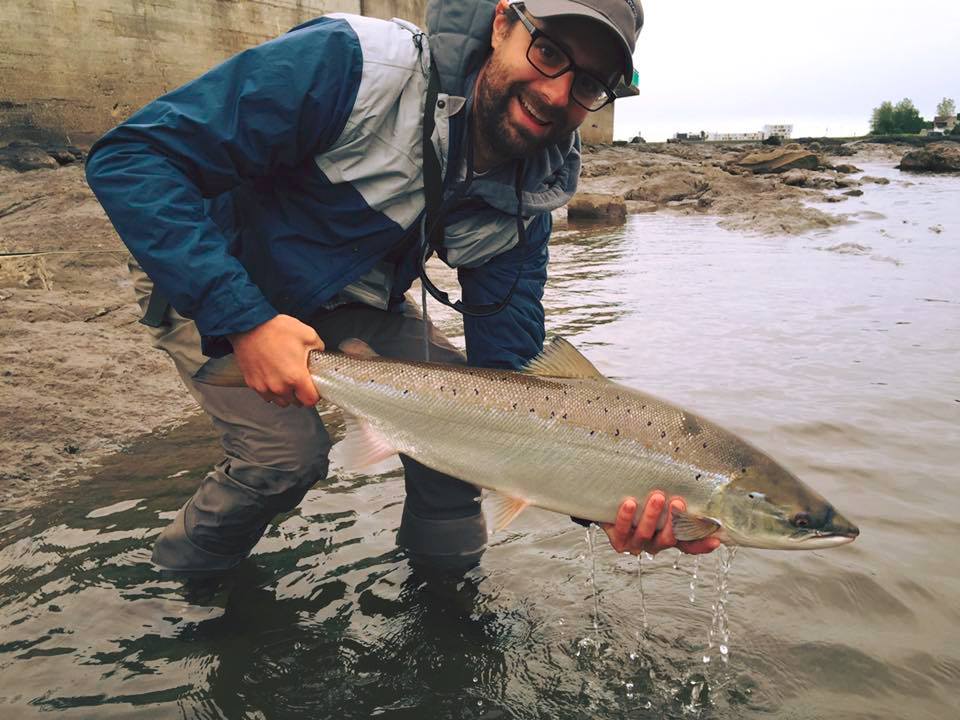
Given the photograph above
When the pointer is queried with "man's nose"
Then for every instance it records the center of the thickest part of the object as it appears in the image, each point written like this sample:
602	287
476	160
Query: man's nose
556	90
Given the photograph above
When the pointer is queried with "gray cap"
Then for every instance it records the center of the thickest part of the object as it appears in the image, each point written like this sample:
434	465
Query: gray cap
623	17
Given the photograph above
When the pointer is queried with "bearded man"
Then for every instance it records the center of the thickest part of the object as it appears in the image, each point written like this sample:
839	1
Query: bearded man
286	200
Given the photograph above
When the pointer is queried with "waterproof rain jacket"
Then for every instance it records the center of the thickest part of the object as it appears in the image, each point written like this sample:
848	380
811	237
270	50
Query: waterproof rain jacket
292	172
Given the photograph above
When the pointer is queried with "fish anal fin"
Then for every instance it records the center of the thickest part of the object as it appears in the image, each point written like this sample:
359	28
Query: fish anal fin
222	372
687	527
562	360
362	447
355	347
501	510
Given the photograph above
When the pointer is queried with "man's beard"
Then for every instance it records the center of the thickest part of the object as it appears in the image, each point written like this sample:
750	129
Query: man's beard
494	129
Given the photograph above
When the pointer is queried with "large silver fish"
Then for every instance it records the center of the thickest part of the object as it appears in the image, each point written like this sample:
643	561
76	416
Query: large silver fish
563	437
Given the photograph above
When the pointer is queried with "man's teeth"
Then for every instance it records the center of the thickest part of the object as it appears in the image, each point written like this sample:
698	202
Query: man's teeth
530	110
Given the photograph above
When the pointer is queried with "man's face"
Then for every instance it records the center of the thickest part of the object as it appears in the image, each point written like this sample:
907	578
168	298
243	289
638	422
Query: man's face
519	110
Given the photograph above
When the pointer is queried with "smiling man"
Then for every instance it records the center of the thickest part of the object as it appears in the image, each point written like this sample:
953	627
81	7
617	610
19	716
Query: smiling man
287	199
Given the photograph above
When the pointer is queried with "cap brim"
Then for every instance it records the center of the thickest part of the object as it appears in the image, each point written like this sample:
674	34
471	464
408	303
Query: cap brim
557	8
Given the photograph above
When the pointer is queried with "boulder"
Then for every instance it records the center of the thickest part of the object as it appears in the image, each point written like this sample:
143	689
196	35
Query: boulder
21	156
808	179
596	206
874	179
635	207
940	157
846	182
846	168
667	186
854	193
780	160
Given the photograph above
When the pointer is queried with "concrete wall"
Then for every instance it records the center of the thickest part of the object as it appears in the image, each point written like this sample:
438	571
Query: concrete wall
72	69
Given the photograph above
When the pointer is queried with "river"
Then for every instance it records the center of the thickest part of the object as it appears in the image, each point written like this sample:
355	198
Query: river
836	352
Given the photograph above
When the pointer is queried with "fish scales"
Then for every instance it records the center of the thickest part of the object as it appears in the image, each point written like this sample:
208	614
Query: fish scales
573	446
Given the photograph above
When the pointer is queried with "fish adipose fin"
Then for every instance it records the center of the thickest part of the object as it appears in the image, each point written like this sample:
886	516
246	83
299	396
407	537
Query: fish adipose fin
501	509
222	372
362	446
687	527
561	359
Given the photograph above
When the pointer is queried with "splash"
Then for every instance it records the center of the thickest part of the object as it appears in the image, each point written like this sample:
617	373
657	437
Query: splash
694	578
719	635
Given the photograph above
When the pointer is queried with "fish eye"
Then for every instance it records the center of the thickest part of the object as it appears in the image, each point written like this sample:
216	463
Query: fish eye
801	519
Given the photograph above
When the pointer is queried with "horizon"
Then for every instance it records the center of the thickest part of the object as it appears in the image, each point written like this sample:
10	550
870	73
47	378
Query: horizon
736	68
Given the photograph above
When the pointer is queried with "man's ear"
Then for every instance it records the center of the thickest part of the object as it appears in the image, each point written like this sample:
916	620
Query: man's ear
501	25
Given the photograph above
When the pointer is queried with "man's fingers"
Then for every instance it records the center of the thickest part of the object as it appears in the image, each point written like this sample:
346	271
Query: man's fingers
665	537
649	518
624	522
306	392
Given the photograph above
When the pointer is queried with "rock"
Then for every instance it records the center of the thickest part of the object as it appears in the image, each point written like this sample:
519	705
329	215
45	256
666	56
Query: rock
809	179
780	160
795	178
936	229
846	168
876	180
595	206
846	182
835	198
22	157
940	157
667	186
64	154
853	193
635	207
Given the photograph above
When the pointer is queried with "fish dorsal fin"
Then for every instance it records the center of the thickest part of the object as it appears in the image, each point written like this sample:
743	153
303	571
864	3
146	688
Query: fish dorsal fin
355	347
362	447
222	372
687	527
560	359
501	510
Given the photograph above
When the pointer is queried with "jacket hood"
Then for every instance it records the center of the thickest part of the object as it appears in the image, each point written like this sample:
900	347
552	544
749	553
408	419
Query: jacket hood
459	35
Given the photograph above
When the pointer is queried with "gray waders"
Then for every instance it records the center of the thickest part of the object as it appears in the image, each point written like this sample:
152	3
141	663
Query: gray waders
273	455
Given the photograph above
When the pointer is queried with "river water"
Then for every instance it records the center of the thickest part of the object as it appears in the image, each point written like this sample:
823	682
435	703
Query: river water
837	352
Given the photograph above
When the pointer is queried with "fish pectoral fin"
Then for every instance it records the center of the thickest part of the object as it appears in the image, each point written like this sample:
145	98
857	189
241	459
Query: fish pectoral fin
561	359
355	347
362	446
501	509
222	372
687	527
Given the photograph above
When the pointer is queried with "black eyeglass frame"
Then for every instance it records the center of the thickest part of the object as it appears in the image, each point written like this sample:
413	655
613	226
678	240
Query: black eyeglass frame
535	33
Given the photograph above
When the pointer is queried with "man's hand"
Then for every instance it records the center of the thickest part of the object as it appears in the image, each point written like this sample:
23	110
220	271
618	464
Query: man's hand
645	537
273	360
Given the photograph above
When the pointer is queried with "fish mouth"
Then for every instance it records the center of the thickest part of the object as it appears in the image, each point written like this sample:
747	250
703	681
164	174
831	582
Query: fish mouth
820	538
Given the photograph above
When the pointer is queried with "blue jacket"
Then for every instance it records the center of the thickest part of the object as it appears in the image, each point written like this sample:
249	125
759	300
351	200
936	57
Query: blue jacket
280	178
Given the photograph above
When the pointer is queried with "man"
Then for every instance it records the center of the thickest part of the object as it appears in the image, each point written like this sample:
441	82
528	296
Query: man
276	204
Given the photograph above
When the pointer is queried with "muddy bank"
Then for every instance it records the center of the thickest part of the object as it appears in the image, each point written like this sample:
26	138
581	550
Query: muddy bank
79	377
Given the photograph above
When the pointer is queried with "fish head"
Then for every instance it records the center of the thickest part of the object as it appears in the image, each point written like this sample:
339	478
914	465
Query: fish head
766	506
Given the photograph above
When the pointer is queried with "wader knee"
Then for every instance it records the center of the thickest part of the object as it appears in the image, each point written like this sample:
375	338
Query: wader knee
442	525
230	511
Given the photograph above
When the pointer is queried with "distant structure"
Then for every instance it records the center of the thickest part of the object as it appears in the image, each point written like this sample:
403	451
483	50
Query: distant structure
688	137
736	137
781	131
943	124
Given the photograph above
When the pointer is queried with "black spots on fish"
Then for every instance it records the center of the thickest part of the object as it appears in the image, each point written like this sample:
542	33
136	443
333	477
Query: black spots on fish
618	397
553	414
589	401
677	449
698	476
616	432
564	416
371	380
476	391
592	433
629	411
454	392
531	409
663	434
643	407
336	369
604	411
441	388
547	398
406	392
649	423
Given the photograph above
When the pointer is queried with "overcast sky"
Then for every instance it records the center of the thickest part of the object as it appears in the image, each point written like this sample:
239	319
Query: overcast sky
822	65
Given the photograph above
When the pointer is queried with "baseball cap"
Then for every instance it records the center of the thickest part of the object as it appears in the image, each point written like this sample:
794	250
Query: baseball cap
623	17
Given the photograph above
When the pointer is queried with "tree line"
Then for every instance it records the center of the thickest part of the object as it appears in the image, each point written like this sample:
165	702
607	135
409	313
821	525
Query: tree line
904	118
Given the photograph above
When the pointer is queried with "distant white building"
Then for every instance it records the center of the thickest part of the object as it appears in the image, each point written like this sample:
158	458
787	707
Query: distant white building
781	131
736	137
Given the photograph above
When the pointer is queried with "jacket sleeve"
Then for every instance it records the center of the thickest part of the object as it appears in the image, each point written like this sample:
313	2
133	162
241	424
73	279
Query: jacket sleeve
264	110
515	335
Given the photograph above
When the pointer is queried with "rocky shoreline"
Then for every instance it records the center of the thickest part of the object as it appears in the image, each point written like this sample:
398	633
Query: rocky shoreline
79	378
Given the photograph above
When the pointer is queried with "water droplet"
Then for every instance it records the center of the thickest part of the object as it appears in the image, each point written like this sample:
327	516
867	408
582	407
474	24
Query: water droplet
479	703
629	688
706	659
561	621
475	680
634	656
647	705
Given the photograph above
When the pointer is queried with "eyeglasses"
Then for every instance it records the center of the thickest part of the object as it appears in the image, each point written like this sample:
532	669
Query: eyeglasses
552	61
